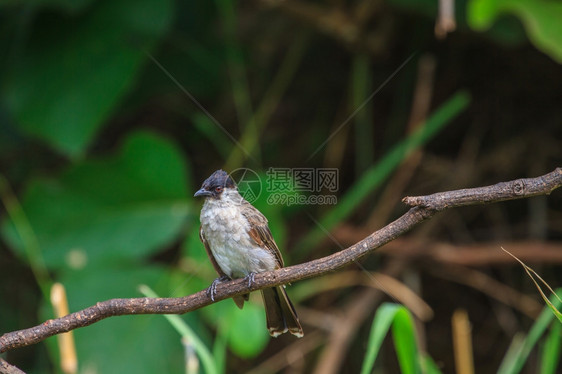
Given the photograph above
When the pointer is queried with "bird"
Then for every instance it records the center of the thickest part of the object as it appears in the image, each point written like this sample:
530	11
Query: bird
239	244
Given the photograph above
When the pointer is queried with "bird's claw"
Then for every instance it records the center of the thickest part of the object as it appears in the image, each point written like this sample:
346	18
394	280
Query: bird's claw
212	290
250	277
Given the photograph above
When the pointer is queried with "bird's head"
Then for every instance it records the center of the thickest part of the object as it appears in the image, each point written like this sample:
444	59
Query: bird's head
215	186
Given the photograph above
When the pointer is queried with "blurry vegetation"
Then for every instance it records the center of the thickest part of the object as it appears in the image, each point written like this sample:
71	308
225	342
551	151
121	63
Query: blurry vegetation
113	112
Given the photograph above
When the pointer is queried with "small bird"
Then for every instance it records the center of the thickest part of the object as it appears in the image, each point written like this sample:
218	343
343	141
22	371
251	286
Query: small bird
239	243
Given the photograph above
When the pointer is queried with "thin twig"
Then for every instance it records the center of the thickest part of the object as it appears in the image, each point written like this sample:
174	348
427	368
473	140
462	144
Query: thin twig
481	254
462	342
424	208
487	285
446	22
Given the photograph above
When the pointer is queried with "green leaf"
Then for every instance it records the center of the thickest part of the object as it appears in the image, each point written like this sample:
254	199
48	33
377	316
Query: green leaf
429	366
395	316
188	334
381	325
521	348
405	342
244	329
550	357
220	352
481	13
126	344
75	70
123	207
247	333
541	20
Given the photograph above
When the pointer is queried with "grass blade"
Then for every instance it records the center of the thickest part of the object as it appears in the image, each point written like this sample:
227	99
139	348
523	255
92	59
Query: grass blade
187	333
550	357
429	366
514	350
381	324
377	174
398	318
532	274
27	235
405	342
513	362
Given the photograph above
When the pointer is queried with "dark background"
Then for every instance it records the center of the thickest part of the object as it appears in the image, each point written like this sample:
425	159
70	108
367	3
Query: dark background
102	148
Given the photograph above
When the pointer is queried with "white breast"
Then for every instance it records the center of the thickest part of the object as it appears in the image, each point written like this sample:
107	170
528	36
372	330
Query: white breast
226	231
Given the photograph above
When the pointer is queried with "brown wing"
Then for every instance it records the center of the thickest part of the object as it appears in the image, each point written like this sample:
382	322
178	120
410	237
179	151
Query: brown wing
210	254
260	232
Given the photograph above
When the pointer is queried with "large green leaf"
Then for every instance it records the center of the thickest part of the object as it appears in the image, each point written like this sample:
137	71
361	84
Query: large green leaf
123	207
73	71
246	329
541	20
127	344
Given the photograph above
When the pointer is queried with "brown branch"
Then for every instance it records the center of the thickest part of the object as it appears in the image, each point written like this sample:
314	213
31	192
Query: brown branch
503	191
489	286
481	254
346	26
6	368
424	208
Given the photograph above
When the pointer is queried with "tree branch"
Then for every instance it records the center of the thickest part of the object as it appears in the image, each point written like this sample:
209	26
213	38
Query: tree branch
516	189
6	368
423	208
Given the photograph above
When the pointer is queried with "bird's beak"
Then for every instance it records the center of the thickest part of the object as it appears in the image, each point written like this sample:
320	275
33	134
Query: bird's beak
202	192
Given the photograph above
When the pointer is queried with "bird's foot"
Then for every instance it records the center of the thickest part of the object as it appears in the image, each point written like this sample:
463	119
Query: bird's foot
212	290
250	277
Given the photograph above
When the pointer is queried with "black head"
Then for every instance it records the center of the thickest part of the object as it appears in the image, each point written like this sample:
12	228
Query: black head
215	184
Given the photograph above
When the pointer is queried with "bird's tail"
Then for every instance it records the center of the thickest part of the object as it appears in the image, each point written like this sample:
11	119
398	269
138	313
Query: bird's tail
280	313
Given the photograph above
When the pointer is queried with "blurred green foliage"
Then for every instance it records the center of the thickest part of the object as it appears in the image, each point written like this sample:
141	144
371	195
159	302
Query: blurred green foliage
375	175
141	344
103	149
517	355
190	339
134	202
73	72
396	318
541	20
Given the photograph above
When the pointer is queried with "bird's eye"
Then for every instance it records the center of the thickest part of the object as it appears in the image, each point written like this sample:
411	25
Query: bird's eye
218	189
